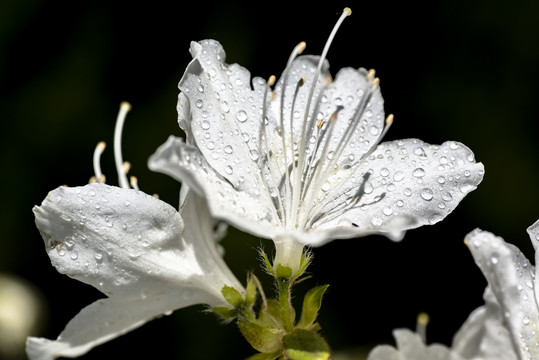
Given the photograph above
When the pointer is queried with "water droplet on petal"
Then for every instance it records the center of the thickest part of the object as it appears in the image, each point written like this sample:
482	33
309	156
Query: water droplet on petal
426	194
199	103
326	186
376	221
241	116
384	172
228	149
228	169
205	125
398	176
387	211
419	172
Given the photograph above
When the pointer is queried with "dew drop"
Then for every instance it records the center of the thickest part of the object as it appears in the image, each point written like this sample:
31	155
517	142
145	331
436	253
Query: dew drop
384	172
199	103
326	186
205	125
228	169
426	194
407	191
74	255
228	149
241	116
418	172
376	221
526	320
441	180
254	154
387	211
400	203
210	145
398	176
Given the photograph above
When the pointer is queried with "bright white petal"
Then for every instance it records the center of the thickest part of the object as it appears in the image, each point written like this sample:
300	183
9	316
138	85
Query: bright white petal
105	320
483	336
512	280
185	163
404	184
134	248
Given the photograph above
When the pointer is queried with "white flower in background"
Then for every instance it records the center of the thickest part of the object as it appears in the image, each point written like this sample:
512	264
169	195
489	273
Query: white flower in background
136	250
513	281
300	160
483	336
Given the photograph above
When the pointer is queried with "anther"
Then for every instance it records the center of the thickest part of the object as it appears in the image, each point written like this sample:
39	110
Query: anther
389	120
301	81
133	181
370	74
271	80
300	47
126	166
319	124
347	11
375	82
99	177
421	325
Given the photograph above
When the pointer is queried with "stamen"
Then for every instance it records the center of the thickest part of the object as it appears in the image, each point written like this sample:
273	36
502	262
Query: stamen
370	75
122	178
99	177
307	127
126	167
421	326
133	181
375	82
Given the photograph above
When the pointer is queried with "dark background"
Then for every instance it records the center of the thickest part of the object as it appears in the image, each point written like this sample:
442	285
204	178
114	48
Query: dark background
450	70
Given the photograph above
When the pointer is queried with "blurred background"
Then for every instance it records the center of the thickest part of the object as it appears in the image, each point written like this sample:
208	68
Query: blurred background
453	70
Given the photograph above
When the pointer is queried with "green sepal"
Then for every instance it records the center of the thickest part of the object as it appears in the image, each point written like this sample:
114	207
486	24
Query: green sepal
250	292
270	315
283	272
225	312
232	296
265	356
303	344
311	305
267	263
262	338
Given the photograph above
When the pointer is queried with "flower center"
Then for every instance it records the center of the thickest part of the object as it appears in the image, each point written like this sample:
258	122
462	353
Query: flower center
312	155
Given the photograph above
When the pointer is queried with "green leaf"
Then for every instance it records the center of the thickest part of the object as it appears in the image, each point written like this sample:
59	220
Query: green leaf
232	296
311	305
303	344
283	272
262	338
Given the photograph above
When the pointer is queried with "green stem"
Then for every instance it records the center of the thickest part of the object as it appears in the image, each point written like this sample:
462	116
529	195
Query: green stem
287	312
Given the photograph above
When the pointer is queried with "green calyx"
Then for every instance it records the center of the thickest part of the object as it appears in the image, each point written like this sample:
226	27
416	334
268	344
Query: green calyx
275	330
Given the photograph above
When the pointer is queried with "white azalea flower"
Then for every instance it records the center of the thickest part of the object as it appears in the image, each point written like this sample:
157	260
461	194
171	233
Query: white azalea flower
136	250
300	160
513	282
483	336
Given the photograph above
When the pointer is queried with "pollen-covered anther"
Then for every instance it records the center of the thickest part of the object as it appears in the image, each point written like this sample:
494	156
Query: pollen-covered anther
347	11
133	181
301	47
370	75
320	124
126	166
98	175
271	80
389	119
375	82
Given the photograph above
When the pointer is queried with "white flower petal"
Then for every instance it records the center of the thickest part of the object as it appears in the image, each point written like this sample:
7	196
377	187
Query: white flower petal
484	335
105	320
185	163
134	248
512	280
404	183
